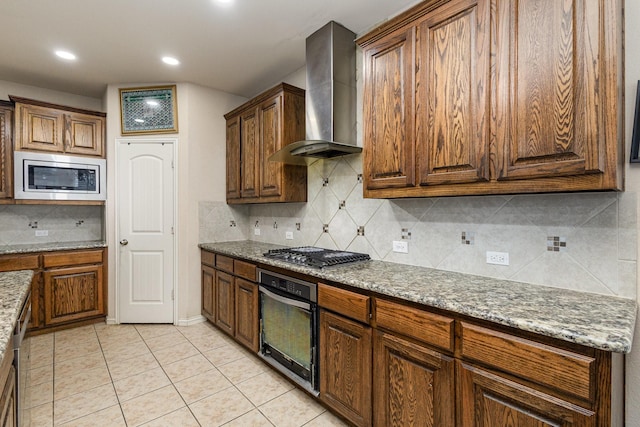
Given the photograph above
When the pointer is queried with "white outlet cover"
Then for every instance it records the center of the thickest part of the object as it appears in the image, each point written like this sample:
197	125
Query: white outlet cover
400	246
498	258
288	235
256	231
42	233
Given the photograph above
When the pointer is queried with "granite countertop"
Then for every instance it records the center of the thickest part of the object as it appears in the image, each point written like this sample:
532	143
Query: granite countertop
47	247
14	288
599	321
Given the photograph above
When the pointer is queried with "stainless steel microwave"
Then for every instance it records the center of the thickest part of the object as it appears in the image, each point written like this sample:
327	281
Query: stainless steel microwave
43	176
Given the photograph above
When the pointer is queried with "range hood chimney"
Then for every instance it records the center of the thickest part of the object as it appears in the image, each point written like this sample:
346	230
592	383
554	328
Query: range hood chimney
330	99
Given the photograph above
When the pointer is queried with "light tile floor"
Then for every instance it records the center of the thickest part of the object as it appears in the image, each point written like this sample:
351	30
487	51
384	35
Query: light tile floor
159	375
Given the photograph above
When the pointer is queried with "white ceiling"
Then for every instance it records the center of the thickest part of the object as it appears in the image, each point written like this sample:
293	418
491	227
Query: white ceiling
241	49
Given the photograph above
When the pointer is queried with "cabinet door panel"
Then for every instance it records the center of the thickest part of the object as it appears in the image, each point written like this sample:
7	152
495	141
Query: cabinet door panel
452	93
389	147
345	376
208	292
40	128
250	159
84	134
488	400
247	314
224	300
6	153
73	293
233	158
549	94
270	142
413	385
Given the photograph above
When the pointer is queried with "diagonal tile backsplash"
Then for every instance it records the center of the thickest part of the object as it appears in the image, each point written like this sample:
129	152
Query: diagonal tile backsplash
599	230
19	223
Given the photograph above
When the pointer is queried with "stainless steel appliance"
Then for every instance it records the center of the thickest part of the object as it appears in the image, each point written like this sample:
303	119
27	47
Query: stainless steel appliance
316	257
289	327
21	356
43	176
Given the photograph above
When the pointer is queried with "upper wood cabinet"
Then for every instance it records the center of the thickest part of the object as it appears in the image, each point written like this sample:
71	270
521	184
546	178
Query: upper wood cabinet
467	97
255	131
6	151
53	128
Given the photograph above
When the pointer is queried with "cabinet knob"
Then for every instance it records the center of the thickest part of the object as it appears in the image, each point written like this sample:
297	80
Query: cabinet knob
124	242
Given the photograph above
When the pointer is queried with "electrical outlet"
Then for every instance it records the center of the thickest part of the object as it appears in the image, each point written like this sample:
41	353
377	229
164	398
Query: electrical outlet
256	231
402	247
288	235
42	233
499	258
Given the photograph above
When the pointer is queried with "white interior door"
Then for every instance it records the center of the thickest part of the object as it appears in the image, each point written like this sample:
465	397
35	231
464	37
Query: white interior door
145	225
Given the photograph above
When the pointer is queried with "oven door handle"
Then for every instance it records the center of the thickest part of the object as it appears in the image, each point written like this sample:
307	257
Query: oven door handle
285	300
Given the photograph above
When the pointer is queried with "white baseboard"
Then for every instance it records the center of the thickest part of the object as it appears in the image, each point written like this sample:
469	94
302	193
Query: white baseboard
191	321
111	321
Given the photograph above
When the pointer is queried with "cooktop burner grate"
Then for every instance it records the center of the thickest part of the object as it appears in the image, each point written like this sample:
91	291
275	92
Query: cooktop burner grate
316	257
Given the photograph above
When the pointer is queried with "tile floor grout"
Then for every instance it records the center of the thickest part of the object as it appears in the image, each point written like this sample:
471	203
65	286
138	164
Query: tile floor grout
236	401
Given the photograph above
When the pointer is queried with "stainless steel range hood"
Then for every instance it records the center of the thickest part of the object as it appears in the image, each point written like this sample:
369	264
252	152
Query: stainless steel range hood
330	98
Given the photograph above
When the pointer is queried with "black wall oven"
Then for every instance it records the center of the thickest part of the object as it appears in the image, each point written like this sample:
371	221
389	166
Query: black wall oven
289	327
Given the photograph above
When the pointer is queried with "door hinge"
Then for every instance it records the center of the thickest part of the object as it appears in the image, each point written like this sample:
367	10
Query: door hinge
172	166
172	232
173	295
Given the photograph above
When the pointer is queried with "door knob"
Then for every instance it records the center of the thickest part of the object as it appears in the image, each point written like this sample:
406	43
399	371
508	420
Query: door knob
124	242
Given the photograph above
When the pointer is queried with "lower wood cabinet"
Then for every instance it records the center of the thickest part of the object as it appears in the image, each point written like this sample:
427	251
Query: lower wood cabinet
345	367
8	415
208	292
225	302
247	327
230	297
488	400
73	293
68	287
413	385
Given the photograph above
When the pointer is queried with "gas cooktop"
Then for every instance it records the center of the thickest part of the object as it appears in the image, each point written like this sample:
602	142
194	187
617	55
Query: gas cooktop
316	257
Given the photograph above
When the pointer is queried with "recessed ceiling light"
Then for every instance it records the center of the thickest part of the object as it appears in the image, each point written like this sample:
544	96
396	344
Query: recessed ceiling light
65	55
170	60
224	2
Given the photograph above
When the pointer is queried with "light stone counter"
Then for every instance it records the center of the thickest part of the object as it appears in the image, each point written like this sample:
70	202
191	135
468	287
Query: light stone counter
47	247
598	321
14	288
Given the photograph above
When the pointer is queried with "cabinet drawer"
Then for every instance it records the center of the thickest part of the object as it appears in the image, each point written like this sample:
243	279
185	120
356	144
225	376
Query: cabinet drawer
427	327
561	369
59	259
208	258
19	262
347	303
244	270
224	263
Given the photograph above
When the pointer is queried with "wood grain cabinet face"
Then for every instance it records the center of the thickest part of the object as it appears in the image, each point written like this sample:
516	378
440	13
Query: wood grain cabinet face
6	152
389	154
73	293
249	155
549	108
412	385
452	88
51	129
208	292
224	300
488	400
345	358
83	134
246	312
494	97
233	158
255	131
